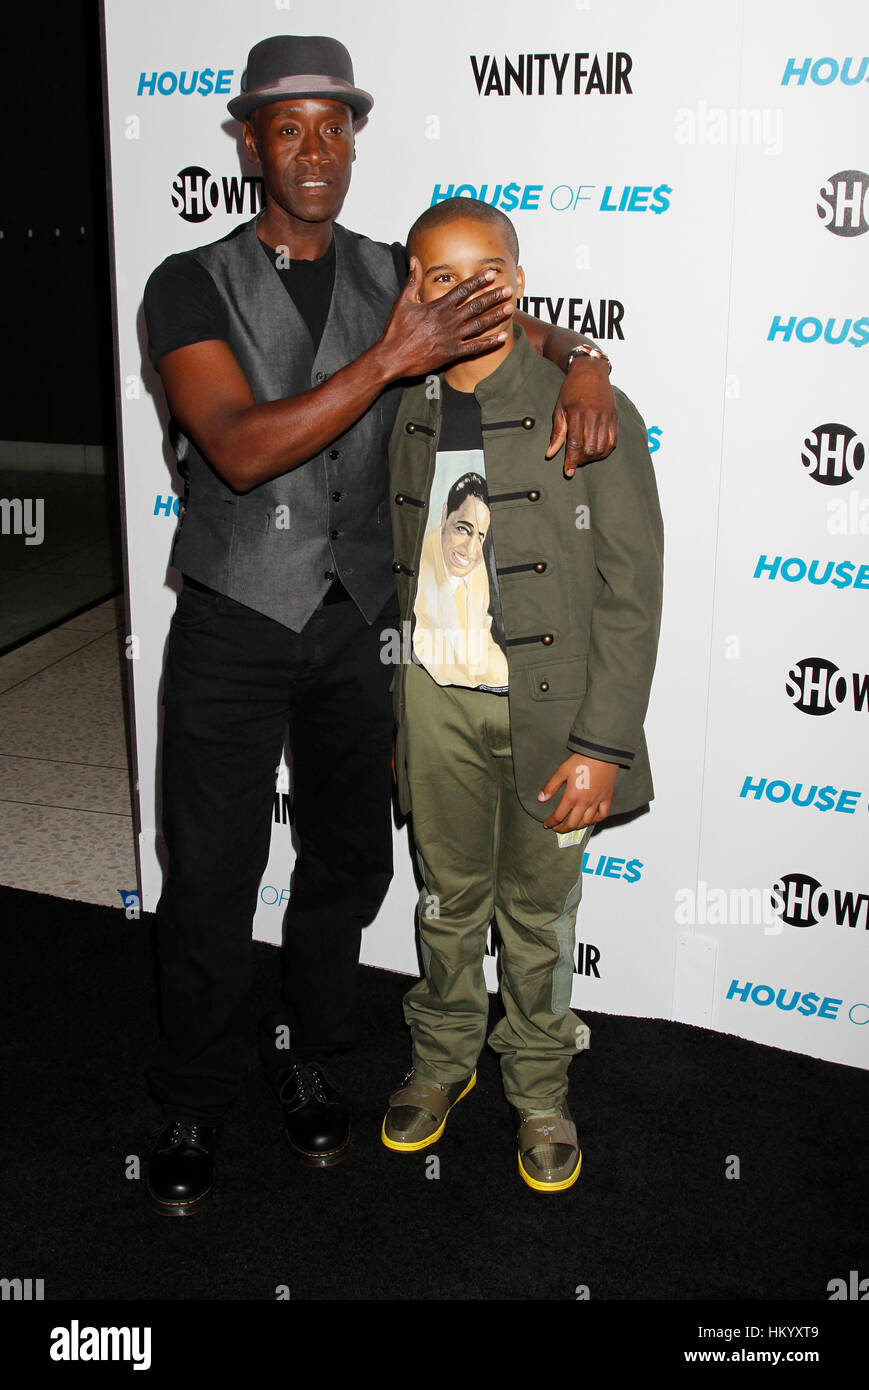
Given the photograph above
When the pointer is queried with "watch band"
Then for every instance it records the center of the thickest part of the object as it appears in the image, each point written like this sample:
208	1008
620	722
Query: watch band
585	350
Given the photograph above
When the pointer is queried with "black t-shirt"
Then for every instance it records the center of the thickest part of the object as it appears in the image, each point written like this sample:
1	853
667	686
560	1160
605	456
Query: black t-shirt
183	305
309	285
461	420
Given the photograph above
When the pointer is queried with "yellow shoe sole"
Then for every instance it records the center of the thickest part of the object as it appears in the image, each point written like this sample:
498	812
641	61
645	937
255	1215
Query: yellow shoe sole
432	1138
550	1186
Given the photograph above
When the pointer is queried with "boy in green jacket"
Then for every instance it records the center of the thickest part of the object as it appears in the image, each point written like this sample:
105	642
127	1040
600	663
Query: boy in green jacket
531	608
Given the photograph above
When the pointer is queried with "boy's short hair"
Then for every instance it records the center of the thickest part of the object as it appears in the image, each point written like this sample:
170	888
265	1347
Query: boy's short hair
464	209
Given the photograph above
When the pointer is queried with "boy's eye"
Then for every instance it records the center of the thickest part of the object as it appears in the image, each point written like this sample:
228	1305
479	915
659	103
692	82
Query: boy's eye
442	276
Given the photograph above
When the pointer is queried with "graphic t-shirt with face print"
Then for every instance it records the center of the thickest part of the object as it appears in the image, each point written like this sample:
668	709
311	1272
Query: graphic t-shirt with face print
458	632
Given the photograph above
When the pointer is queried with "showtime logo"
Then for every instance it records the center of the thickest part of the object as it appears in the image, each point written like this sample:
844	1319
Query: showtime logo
843	203
196	194
816	686
801	901
832	454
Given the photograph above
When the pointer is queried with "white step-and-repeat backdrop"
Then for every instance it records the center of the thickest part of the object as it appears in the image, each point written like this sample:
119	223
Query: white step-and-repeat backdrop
688	185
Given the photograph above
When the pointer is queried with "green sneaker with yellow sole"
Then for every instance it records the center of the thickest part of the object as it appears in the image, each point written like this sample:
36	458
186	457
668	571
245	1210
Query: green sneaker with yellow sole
418	1111
549	1154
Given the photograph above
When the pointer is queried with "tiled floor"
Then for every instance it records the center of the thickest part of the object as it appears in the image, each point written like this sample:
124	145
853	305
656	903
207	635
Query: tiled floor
66	825
78	559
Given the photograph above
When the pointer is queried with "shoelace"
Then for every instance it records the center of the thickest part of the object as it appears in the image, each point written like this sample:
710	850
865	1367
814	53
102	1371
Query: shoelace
308	1081
182	1132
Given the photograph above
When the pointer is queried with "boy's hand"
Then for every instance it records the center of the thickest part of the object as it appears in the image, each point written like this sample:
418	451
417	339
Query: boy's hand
585	415
588	791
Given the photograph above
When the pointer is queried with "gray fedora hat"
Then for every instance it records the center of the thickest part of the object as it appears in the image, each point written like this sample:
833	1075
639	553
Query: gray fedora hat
293	65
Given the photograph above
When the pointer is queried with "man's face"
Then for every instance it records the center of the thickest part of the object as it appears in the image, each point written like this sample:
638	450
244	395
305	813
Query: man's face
462	536
306	148
457	250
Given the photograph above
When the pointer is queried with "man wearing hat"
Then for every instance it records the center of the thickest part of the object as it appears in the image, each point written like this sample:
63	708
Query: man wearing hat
279	348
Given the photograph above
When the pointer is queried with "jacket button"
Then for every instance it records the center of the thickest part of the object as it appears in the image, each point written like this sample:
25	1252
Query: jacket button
336	496
399	497
329	574
533	496
528	422
540	567
321	376
410	427
547	639
396	567
334	454
544	686
333	535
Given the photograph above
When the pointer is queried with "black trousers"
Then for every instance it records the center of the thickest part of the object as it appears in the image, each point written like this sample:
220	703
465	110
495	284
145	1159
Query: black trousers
234	681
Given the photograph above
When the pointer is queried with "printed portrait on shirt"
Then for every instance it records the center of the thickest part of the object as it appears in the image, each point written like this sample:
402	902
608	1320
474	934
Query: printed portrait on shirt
458	634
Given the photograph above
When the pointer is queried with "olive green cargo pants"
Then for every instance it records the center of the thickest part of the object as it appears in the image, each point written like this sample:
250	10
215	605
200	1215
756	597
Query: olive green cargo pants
481	855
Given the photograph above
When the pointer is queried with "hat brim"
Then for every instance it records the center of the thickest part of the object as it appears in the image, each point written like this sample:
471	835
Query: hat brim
327	89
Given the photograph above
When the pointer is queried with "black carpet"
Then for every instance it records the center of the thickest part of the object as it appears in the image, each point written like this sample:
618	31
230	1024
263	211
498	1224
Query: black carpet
659	1107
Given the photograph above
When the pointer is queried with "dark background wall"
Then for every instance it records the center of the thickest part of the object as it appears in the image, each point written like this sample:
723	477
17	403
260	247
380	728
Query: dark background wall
54	276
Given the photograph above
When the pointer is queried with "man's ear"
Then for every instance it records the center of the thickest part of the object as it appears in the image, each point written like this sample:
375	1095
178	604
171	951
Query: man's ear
520	282
250	139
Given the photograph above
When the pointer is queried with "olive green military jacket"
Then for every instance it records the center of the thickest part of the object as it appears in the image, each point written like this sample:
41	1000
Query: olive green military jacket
580	570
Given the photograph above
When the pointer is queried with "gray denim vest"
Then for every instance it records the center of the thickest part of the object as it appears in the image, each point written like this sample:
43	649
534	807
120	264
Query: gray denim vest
277	548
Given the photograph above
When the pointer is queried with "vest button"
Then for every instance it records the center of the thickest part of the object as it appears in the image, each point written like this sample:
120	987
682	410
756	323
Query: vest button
540	567
329	574
528	422
321	376
336	496
544	686
399	497
410	427
547	639
333	535
533	496
396	567
334	454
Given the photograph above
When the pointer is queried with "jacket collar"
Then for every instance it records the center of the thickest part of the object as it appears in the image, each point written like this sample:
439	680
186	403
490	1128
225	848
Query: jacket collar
497	394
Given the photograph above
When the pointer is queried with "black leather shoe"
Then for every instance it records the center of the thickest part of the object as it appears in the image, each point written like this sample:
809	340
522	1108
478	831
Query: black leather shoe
181	1168
315	1116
